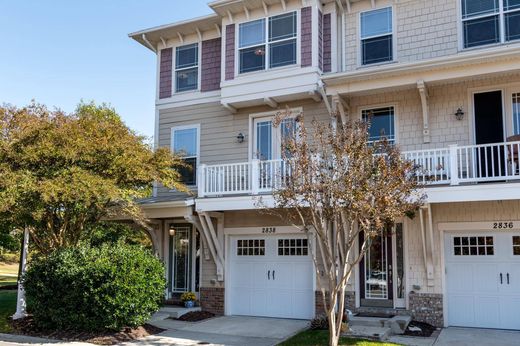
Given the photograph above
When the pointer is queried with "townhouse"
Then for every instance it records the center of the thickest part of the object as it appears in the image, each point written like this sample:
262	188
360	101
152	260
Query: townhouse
441	79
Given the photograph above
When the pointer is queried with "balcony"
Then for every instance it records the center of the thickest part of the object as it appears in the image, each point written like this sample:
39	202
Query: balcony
454	165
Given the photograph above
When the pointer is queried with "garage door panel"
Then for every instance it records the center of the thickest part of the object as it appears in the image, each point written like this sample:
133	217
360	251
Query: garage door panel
477	294
461	310
487	311
485	278
304	275
460	278
510	312
270	282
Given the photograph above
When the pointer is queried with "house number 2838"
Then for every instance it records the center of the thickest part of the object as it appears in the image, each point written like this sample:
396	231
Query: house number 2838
269	230
502	225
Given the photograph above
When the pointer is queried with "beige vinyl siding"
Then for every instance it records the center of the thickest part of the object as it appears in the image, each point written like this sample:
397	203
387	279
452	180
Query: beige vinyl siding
219	129
423	29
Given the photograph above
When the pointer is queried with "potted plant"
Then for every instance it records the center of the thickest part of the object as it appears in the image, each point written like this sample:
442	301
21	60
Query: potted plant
188	298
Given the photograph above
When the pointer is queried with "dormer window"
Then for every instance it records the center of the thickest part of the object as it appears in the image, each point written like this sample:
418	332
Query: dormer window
268	46
187	67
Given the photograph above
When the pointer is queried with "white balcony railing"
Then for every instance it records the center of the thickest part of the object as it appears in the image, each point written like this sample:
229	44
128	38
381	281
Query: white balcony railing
445	166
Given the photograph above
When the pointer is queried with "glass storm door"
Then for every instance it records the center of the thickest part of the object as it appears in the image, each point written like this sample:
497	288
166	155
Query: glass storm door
180	255
376	272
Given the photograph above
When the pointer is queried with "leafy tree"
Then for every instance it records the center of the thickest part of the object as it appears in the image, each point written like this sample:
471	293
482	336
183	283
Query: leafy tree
114	232
338	185
62	173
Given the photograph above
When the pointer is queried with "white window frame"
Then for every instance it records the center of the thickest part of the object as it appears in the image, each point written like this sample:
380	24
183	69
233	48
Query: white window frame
266	43
360	39
175	69
501	25
379	106
276	135
197	157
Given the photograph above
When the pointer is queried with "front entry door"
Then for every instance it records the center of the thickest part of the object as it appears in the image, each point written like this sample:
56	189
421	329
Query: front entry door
376	284
489	128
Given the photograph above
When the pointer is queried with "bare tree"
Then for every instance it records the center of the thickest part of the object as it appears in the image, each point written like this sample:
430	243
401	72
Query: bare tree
337	186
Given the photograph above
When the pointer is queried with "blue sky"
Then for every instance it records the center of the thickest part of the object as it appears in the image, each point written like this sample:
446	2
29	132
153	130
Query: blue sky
61	51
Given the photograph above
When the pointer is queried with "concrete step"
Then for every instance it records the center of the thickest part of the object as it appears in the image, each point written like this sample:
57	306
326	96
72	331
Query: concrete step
379	333
177	311
398	324
367	321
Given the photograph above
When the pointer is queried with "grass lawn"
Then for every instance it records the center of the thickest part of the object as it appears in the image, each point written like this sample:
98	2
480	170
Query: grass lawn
321	337
7	308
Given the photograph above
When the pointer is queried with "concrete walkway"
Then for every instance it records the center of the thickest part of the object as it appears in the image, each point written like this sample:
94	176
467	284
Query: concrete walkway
477	337
226	330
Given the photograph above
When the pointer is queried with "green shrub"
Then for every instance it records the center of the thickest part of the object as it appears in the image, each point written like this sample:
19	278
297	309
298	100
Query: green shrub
94	288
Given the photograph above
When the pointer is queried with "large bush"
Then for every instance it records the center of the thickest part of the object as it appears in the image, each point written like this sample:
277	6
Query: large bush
94	288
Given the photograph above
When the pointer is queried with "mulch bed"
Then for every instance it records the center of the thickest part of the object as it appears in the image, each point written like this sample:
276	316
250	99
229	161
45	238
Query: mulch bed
195	316
426	329
26	326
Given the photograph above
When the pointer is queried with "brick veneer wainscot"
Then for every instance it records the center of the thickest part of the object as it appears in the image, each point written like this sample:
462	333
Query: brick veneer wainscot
165	73
210	65
319	308
212	300
427	307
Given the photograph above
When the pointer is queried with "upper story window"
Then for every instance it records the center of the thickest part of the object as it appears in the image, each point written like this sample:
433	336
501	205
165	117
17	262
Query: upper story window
376	36
380	123
264	46
490	21
187	67
185	142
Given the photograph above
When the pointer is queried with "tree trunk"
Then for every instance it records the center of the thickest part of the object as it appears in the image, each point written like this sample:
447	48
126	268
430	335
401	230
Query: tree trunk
333	332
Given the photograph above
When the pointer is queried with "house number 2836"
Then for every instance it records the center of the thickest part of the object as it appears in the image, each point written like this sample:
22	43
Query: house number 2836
502	225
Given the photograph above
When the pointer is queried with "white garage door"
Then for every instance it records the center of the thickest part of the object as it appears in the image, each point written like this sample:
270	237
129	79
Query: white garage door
483	279
271	276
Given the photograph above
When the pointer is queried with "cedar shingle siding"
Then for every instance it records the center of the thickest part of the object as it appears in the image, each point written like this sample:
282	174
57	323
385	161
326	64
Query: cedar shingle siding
210	65
327	48
230	51
306	36
165	73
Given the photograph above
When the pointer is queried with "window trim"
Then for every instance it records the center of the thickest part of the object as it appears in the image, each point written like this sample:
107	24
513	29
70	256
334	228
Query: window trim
197	157
267	43
359	39
501	26
384	105
174	68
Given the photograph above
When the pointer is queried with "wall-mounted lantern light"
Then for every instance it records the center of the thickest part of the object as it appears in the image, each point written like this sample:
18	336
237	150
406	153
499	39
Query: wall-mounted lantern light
459	114
240	137
172	230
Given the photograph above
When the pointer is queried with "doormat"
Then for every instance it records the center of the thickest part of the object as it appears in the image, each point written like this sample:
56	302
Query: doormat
374	314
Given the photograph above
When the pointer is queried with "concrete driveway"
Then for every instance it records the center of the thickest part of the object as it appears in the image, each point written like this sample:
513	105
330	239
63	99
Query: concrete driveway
476	337
226	330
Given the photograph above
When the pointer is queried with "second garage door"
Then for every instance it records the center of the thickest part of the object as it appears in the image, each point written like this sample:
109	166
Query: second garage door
483	279
271	276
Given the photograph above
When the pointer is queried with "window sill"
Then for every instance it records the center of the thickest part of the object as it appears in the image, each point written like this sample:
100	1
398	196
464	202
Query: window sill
490	46
362	67
266	71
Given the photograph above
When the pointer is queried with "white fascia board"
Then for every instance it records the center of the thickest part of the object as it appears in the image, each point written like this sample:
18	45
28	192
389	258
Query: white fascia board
473	193
172	204
188	99
233	203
